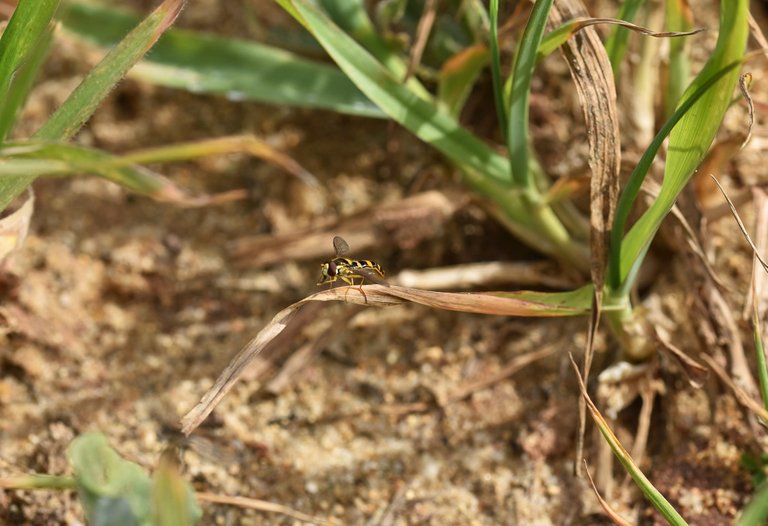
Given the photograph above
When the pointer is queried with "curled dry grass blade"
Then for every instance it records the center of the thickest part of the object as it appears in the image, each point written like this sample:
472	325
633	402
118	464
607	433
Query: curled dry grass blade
573	303
654	496
566	30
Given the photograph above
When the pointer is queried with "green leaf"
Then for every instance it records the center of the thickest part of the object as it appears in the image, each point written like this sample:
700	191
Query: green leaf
237	69
698	117
522	76
113	491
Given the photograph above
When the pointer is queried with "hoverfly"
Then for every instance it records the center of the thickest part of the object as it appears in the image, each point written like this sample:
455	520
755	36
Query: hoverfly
348	270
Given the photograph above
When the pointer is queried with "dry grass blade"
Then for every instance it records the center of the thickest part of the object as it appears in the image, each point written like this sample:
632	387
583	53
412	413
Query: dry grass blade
404	222
378	296
695	371
423	30
741	396
612	514
15	226
514	366
758	292
591	71
741	224
261	505
247	144
495	273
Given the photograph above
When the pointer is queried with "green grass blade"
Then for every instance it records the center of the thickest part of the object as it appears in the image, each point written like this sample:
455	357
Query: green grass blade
649	490
762	367
616	44
498	82
756	512
81	104
25	32
20	86
31	159
522	76
237	69
699	115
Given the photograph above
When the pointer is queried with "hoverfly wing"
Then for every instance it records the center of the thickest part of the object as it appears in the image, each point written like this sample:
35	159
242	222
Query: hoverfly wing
340	246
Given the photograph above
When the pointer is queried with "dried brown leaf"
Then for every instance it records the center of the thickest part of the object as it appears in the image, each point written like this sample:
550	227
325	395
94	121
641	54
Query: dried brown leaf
15	226
591	71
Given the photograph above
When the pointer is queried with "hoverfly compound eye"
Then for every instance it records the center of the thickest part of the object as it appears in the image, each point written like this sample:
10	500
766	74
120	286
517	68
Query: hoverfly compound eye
331	269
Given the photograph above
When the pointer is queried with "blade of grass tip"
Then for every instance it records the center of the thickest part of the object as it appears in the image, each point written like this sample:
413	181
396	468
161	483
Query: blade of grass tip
20	86
690	140
522	76
649	490
616	44
83	101
23	33
498	83
745	81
